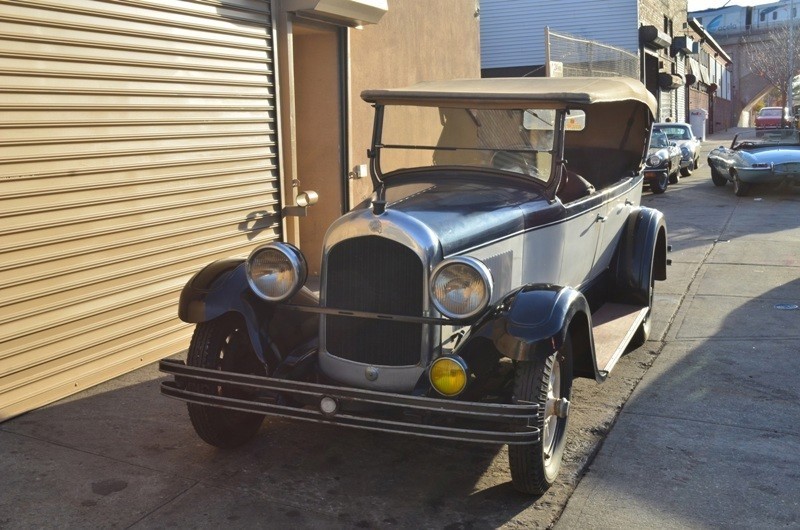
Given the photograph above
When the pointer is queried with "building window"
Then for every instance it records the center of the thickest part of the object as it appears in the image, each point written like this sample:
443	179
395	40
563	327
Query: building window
763	17
774	15
666	25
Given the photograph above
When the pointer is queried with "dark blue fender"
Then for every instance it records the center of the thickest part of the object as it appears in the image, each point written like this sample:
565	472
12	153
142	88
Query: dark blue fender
221	287
533	321
641	256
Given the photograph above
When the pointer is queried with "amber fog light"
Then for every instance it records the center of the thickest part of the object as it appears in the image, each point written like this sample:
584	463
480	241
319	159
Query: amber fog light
448	375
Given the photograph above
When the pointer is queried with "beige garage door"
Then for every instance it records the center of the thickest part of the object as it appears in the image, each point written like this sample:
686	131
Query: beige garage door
137	144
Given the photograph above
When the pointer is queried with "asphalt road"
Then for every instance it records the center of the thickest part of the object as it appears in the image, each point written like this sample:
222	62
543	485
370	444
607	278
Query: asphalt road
721	360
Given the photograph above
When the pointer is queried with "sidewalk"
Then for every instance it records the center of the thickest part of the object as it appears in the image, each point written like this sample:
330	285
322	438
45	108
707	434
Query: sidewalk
711	435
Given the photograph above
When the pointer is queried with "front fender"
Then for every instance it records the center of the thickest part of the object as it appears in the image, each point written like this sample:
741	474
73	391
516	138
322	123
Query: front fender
533	321
221	287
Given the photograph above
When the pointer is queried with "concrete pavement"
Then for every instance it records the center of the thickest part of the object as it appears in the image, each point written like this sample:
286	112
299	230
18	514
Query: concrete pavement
709	436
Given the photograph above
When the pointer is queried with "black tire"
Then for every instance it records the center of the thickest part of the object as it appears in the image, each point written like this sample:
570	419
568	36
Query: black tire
740	189
659	185
717	178
686	171
643	331
223	344
674	178
534	467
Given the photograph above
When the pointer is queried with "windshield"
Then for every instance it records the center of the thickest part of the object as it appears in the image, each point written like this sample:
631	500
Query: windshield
769	112
675	132
754	138
513	140
658	139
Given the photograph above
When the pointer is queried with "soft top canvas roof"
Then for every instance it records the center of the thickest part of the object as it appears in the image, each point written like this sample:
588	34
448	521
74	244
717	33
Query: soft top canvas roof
558	91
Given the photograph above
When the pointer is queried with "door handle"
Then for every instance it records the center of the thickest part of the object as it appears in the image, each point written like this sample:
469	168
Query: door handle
602	218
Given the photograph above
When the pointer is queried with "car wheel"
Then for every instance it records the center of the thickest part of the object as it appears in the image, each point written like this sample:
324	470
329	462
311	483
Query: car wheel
674	178
546	381
739	188
222	344
717	178
660	184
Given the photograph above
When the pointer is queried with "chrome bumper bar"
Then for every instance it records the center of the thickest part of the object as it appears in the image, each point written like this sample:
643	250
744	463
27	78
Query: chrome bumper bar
413	415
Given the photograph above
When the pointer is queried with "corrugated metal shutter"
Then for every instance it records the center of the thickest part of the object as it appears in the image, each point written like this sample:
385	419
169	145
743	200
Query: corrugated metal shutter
681	113
137	144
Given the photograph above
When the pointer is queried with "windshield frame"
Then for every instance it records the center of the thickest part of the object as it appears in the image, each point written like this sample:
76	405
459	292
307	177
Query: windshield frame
556	162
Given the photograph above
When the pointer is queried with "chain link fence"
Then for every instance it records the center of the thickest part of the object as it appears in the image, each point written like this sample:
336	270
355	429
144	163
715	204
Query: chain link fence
571	56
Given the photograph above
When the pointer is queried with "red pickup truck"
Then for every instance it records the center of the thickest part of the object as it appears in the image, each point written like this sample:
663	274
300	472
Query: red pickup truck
773	118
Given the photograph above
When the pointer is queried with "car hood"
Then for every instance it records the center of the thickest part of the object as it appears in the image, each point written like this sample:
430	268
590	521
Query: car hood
465	213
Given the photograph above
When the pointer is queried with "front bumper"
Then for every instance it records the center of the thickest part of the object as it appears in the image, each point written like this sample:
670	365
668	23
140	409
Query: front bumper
494	423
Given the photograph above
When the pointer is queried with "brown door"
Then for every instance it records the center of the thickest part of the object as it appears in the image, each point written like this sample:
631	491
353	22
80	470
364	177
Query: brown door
320	149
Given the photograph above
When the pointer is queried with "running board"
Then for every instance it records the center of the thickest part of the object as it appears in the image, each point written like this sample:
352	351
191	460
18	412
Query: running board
613	327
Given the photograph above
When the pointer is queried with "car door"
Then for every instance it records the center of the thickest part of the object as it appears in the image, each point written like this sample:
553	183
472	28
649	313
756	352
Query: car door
618	203
581	234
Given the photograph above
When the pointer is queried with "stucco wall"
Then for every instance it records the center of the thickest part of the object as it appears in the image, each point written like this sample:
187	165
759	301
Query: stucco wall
417	40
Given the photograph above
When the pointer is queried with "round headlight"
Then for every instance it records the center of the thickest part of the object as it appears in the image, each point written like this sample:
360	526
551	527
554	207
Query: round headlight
684	151
654	160
461	287
448	375
276	271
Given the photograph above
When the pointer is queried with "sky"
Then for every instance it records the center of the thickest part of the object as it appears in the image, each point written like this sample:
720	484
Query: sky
700	5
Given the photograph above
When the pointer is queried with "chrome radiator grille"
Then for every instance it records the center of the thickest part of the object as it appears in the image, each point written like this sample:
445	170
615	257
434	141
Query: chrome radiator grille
376	275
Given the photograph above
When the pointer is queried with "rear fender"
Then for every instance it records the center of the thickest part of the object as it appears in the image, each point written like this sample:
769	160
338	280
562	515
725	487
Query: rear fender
534	321
641	255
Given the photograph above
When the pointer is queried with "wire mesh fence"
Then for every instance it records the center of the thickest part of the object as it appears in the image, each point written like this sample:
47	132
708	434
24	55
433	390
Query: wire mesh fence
571	56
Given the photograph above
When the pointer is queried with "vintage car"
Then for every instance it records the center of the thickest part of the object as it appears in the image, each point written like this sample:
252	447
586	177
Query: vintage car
503	253
663	163
686	141
769	158
773	118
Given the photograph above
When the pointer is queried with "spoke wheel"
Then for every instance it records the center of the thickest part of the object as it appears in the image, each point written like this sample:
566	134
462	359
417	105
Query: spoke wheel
740	188
674	178
222	344
659	185
548	382
718	178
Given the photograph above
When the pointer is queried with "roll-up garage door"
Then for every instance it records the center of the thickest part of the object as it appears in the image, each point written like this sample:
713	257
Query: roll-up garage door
137	144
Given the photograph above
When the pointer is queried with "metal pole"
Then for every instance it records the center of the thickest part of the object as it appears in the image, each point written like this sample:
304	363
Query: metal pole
792	46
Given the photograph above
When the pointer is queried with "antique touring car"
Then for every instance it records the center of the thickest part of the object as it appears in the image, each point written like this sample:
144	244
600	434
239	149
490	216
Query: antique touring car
504	252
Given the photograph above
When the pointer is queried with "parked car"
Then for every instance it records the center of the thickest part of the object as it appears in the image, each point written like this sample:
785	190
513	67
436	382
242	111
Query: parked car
773	118
662	164
503	253
771	158
686	141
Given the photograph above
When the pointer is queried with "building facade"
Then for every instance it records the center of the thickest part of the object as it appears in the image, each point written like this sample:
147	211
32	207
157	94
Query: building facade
512	40
141	141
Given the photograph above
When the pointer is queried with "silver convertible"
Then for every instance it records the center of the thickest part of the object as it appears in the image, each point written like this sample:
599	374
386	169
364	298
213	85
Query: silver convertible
504	251
770	157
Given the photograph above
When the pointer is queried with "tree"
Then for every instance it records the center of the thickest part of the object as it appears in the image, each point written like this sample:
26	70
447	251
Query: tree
769	56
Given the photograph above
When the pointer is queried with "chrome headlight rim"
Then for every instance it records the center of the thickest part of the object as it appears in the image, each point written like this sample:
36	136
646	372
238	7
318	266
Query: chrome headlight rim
483	272
654	160
295	260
